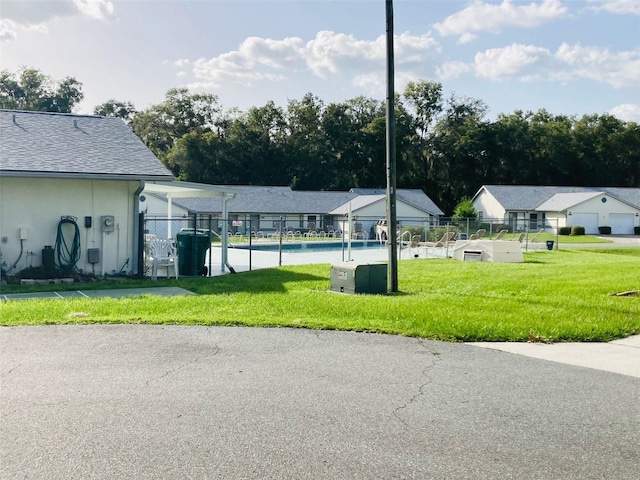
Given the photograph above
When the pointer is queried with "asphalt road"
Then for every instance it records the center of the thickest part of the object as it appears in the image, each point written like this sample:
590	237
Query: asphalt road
165	402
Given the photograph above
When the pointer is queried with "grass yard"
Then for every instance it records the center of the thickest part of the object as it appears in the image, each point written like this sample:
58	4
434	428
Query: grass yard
569	239
562	295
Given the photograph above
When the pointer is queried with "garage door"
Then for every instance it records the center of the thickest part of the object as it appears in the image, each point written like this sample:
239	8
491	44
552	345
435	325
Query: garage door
587	220
621	223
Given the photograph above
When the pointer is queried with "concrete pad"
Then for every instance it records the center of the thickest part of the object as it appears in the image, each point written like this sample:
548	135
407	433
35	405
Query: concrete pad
620	356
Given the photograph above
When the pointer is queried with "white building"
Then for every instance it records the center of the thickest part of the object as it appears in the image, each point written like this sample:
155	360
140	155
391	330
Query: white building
535	207
72	183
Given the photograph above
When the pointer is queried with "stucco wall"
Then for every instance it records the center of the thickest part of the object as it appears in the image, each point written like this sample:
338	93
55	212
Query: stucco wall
603	210
489	206
36	205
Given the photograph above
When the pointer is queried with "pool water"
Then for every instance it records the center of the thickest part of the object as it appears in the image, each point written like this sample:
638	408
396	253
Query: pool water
314	246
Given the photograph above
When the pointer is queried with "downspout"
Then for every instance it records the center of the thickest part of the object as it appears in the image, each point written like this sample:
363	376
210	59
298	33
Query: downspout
136	226
224	234
169	214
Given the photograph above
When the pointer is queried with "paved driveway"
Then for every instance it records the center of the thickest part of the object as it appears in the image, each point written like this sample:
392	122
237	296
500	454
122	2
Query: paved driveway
157	402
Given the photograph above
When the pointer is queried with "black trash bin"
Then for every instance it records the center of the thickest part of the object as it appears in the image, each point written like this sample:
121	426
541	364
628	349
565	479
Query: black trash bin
192	251
550	244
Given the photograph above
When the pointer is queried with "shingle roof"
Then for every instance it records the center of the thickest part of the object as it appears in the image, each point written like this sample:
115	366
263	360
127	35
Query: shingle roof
526	197
259	199
411	196
42	143
562	201
357	203
268	200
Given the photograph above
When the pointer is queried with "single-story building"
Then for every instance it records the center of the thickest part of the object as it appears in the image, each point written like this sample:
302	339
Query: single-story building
265	208
534	207
69	192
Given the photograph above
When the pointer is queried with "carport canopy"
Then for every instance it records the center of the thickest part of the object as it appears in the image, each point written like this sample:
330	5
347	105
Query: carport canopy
178	189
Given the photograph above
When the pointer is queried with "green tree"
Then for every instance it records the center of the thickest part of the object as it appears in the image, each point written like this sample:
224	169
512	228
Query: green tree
182	112
116	108
465	209
30	89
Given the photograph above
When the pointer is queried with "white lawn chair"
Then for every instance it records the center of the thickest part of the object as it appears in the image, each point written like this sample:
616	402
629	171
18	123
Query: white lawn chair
163	254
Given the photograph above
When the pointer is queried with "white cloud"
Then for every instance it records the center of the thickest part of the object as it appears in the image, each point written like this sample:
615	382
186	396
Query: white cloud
569	62
183	62
628	112
618	69
481	16
30	15
100	9
370	82
329	53
8	30
497	63
619	7
451	70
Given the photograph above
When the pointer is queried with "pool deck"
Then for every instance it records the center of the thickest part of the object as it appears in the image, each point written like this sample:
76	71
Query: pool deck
243	260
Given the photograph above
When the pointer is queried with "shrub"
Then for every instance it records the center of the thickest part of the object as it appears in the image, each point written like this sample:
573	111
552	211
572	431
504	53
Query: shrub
564	231
577	230
636	230
437	233
465	209
605	230
415	230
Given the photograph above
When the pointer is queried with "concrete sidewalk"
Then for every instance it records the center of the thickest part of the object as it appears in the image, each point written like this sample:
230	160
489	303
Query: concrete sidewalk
620	356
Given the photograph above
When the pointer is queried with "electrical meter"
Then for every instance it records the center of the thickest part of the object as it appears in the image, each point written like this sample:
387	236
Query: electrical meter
107	223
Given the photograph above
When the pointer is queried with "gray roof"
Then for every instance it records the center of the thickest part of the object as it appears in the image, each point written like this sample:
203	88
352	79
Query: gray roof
270	199
66	145
562	201
411	196
274	200
526	197
357	203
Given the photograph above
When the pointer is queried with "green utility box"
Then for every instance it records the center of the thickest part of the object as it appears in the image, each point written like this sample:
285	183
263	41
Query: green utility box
192	251
353	277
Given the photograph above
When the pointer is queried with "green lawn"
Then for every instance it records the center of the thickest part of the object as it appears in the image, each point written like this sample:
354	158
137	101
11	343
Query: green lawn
561	295
543	237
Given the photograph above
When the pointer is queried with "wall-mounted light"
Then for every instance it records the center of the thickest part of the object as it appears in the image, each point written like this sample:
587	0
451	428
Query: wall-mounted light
570	213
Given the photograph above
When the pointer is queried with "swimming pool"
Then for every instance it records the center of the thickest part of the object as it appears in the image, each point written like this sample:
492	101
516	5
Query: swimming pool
327	246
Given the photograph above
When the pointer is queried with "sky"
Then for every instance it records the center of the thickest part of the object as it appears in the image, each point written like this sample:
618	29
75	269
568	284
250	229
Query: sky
571	57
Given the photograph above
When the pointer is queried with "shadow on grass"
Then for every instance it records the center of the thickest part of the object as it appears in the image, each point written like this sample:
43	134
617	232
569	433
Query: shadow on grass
258	281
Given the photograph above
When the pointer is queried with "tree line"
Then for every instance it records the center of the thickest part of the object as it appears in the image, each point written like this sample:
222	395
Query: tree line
444	146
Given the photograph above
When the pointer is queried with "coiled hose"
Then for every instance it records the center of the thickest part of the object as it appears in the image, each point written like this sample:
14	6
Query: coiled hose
68	255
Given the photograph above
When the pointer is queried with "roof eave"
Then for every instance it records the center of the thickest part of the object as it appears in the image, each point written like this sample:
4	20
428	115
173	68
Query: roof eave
85	176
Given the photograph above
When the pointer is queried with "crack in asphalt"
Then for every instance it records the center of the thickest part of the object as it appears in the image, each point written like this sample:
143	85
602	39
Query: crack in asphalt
4	374
169	372
421	388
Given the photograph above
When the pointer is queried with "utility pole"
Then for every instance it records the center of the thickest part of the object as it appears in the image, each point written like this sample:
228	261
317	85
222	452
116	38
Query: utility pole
392	237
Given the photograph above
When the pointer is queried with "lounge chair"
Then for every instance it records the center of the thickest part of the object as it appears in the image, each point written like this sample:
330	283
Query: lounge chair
501	234
446	239
480	233
535	244
520	238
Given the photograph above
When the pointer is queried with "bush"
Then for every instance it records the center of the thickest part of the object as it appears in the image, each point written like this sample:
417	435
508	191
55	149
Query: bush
438	233
415	230
577	230
605	230
564	231
636	230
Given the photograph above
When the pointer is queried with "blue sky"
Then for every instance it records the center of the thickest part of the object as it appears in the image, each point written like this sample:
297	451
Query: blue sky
568	56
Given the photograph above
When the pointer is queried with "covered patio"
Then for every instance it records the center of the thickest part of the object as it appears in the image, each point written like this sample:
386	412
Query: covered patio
178	189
